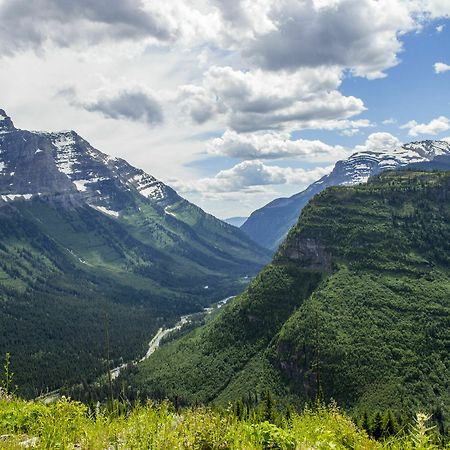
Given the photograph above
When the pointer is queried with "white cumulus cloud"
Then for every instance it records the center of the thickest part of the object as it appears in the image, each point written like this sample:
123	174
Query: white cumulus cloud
440	67
378	142
435	126
249	176
261	100
272	145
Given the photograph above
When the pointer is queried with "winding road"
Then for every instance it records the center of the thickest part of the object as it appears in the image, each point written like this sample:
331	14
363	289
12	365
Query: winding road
153	345
155	342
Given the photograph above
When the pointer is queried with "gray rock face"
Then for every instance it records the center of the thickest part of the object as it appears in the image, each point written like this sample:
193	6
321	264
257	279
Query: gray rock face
6	123
63	167
308	253
29	166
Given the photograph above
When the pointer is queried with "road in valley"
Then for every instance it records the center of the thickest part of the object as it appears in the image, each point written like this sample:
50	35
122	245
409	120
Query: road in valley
155	342
153	345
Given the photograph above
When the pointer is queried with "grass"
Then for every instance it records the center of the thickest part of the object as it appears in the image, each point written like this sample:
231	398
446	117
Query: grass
71	425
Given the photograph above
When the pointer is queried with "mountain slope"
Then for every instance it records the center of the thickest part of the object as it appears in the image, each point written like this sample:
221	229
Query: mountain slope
63	168
87	240
269	225
356	299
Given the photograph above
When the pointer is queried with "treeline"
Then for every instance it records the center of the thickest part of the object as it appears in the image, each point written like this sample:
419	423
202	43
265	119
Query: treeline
254	407
379	425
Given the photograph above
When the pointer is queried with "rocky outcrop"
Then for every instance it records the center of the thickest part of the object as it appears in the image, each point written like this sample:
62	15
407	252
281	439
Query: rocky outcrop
28	165
308	253
6	124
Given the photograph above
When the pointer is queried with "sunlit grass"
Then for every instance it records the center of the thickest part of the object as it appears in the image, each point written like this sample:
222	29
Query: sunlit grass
71	425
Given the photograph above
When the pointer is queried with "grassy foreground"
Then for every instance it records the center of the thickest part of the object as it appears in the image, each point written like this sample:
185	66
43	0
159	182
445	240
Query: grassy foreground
69	425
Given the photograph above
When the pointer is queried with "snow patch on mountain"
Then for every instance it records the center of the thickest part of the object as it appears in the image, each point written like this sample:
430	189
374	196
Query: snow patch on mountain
360	166
167	211
12	197
154	192
104	210
65	156
148	186
81	185
86	166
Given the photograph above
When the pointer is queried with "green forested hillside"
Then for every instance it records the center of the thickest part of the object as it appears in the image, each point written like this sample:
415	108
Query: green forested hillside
75	284
356	301
57	310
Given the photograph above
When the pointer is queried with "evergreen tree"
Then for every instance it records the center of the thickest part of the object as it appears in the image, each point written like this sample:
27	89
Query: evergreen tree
365	422
377	426
239	409
390	427
403	423
268	408
290	412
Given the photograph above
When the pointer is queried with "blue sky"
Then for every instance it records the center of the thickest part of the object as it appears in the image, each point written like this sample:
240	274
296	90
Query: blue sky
410	91
232	102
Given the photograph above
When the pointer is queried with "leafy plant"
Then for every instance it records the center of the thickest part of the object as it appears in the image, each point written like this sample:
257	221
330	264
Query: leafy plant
8	387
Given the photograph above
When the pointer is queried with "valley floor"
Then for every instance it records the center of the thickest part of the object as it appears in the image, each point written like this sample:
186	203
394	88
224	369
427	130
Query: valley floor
156	340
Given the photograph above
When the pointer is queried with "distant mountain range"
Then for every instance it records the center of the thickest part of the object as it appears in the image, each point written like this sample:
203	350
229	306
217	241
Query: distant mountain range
88	240
269	225
236	221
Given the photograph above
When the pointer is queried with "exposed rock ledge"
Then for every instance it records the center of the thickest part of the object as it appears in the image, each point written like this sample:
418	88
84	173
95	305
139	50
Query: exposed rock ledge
309	253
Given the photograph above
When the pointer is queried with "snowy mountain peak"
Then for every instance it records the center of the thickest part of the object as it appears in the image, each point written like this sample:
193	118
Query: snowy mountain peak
6	123
429	149
407	153
64	164
361	165
86	167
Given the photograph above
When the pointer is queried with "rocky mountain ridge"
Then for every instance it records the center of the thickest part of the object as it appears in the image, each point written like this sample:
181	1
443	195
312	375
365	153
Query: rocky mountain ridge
63	163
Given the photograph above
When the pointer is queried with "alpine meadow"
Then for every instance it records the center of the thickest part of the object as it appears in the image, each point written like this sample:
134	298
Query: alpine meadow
240	237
